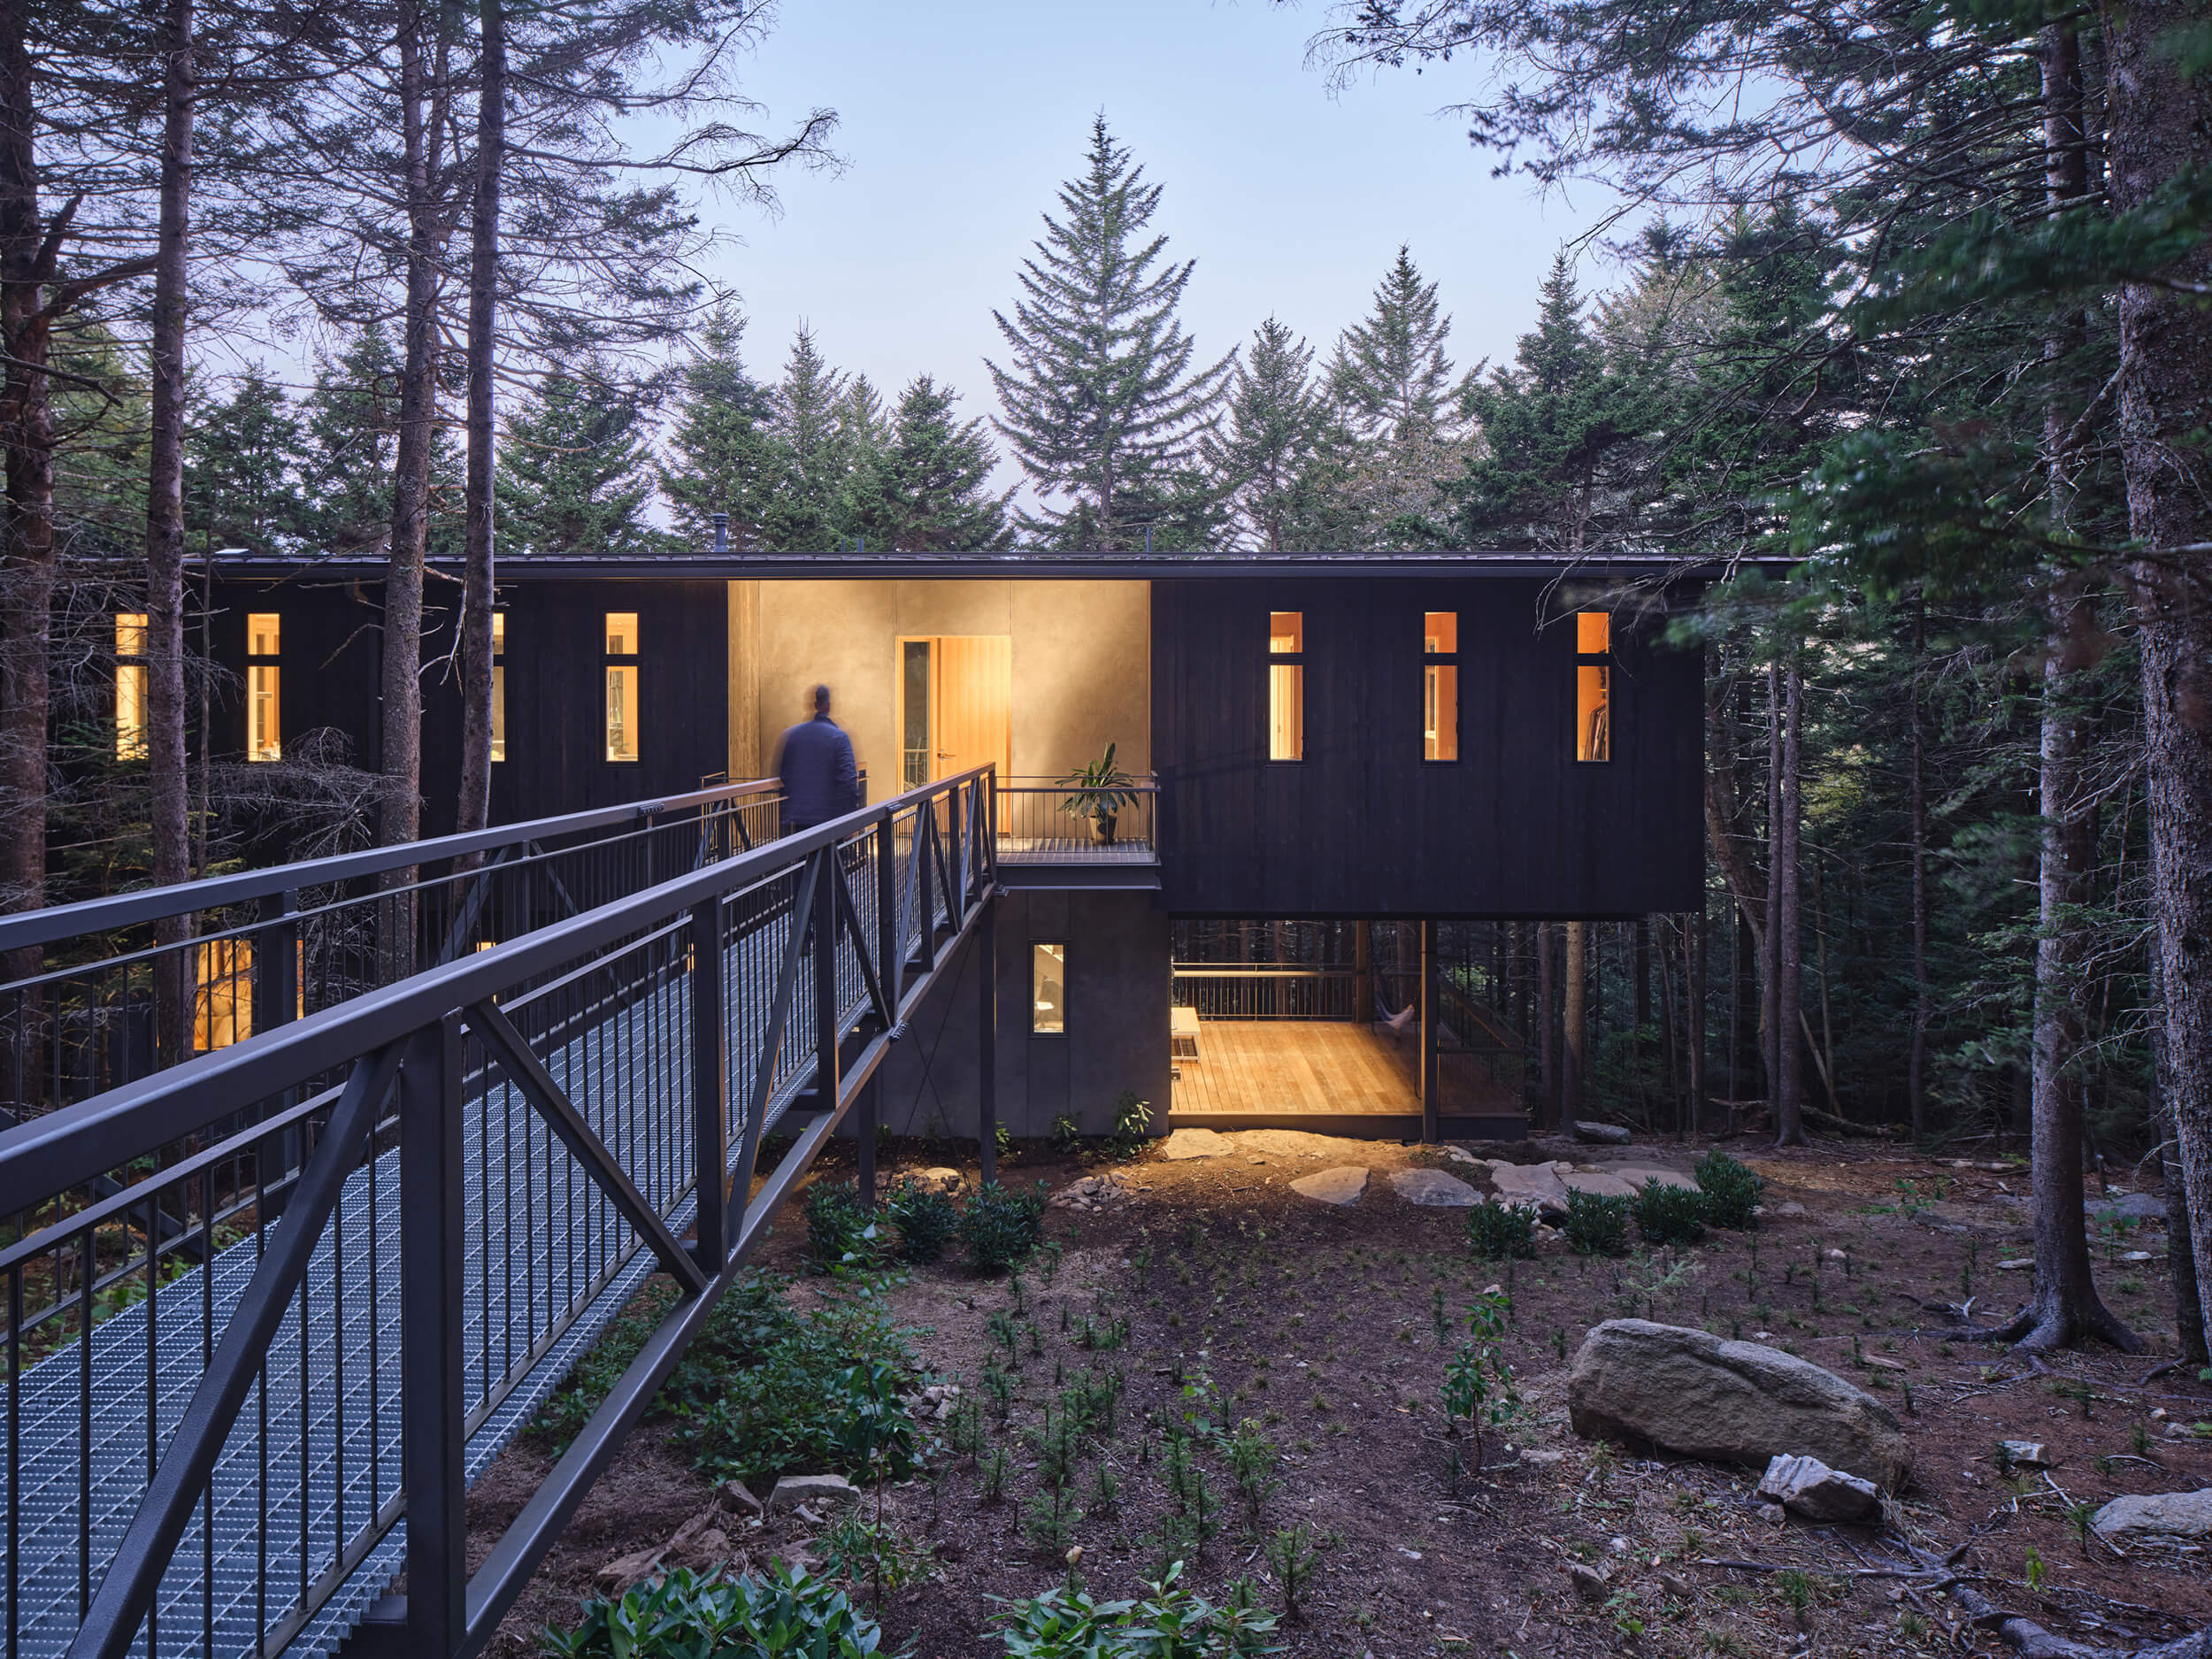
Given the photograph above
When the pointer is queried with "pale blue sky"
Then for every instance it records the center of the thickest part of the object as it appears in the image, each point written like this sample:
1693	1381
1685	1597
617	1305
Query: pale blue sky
961	118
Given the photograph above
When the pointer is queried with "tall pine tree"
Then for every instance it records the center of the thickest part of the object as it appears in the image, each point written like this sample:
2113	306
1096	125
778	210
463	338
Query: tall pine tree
1389	373
925	487
1102	406
724	456
1275	419
240	489
573	473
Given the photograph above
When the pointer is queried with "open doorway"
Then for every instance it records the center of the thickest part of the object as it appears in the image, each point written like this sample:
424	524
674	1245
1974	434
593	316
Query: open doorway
956	694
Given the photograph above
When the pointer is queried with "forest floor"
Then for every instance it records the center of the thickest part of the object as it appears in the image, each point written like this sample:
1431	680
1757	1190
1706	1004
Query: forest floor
1319	1323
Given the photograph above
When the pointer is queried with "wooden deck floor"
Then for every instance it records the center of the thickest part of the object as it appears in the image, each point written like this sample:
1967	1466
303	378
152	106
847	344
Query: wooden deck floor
1293	1065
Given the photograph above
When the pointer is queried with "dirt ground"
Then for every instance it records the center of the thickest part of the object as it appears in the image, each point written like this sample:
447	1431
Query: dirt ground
1246	1300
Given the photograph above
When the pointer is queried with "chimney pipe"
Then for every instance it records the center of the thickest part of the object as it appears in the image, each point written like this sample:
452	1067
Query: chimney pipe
721	533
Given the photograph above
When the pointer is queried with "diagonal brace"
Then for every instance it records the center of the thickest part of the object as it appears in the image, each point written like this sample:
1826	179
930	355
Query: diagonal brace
868	977
128	1591
561	1116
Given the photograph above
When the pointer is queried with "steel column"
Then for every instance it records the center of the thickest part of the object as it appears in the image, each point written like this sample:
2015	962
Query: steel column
1428	1031
433	1438
709	1088
890	954
986	1037
864	1139
825	1033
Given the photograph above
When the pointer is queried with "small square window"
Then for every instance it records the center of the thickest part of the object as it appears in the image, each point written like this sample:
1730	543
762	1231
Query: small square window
622	633
261	634
130	633
1439	633
1048	990
1286	633
1593	633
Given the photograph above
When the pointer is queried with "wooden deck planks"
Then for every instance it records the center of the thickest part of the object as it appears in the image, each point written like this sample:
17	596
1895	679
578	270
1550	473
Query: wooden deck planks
1294	1065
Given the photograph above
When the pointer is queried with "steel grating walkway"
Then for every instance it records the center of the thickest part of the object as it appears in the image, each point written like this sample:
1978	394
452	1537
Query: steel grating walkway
549	1265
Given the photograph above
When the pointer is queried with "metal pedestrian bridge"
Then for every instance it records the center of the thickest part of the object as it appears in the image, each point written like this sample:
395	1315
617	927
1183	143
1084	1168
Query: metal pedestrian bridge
321	1178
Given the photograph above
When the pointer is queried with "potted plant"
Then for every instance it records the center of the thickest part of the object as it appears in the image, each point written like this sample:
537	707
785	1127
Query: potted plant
1100	791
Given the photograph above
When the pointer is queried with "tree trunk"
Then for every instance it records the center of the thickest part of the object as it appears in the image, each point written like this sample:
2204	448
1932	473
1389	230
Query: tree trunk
1789	1123
473	810
1916	1055
2189	1320
167	764
1770	1028
2160	128
1546	999
1696	953
1576	1021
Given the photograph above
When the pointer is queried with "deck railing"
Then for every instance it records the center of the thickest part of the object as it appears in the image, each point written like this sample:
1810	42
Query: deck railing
1040	822
1240	991
97	994
268	1311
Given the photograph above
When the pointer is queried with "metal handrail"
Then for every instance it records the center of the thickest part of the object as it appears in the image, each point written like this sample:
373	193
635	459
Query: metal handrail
593	1069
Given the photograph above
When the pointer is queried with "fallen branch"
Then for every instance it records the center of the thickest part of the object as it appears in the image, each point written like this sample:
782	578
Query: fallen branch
2034	1641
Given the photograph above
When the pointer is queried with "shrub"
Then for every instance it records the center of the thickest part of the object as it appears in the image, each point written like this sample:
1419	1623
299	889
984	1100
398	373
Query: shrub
1067	1134
840	1230
1001	1227
1670	1215
1171	1621
1496	1230
769	1616
1731	1190
926	1220
1596	1225
1132	1125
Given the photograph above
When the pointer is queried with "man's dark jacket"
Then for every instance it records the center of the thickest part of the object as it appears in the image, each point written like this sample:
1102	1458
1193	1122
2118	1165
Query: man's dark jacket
820	780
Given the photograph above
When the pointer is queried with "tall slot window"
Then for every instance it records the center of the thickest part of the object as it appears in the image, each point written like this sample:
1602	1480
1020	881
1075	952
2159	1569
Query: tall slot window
1439	685
1594	685
622	678
1048	990
130	685
1286	685
264	713
499	685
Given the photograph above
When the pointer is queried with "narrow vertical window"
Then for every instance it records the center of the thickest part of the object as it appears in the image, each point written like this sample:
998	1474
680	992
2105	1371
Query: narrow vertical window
1439	685
622	678
264	722
499	685
222	994
1286	685
1048	990
130	685
1594	685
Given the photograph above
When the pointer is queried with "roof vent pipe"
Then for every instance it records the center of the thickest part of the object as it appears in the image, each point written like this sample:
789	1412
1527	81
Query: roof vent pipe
721	533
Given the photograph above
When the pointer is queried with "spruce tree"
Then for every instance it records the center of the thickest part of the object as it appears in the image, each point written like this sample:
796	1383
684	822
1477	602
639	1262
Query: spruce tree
572	470
1102	404
723	455
351	415
925	487
1389	373
240	489
1274	423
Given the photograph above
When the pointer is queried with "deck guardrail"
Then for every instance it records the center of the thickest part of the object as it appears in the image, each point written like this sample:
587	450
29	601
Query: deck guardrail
268	1311
1239	991
1040	822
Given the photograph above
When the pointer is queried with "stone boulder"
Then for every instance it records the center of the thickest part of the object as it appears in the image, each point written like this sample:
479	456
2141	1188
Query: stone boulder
1534	1185
1690	1391
1808	1487
1642	1175
939	1179
817	1491
1341	1185
1598	1183
1431	1188
1602	1134
1193	1143
2126	1207
2158	1516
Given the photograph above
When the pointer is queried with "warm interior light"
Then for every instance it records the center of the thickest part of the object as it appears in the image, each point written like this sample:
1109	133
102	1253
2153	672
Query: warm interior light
1439	726
1593	633
1440	632
622	633
1049	989
1285	712
261	634
1594	712
1285	632
621	711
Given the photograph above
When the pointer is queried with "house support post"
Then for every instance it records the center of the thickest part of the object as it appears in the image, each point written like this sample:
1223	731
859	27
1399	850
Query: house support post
986	1037
1428	1029
434	1439
864	1141
1364	973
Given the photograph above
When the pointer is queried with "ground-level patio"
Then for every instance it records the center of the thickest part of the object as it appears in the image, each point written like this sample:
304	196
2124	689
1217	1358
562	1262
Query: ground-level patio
1333	1076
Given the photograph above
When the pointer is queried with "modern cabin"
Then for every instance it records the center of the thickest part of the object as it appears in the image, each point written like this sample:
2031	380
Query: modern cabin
1356	749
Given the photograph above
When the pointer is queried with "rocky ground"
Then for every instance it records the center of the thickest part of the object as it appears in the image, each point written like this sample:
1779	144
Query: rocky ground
1296	1282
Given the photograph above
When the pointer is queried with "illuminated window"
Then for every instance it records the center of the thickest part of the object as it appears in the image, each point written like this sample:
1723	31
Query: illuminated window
130	685
499	685
622	678
222	994
265	729
1439	685
1594	685
1286	685
1048	990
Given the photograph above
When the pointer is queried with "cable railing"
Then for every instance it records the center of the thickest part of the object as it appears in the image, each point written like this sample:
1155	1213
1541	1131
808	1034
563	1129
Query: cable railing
1042	821
99	994
270	1311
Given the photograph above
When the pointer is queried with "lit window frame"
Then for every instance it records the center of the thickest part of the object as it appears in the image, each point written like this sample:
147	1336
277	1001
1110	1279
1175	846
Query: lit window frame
133	685
1601	662
1430	663
264	673
630	662
1285	669
498	743
1058	948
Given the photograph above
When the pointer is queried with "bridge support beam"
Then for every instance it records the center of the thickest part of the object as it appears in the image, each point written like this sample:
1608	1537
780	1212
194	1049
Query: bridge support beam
987	1036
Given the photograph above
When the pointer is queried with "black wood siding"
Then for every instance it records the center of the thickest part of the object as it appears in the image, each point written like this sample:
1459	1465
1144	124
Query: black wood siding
555	687
1362	826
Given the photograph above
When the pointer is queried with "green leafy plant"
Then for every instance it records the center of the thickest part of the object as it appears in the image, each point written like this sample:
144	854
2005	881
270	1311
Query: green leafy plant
1252	1468
1733	1191
859	1550
999	1228
1478	1388
1496	1231
1067	1134
1170	1622
684	1615
840	1232
1291	1557
926	1220
1596	1225
1132	1125
1099	790
1670	1215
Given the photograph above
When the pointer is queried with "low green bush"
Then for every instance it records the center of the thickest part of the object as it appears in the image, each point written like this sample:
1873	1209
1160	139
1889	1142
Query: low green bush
1171	1621
1733	1191
1596	1225
1001	1226
841	1231
926	1220
1497	1231
781	1614
1067	1136
1132	1125
1670	1215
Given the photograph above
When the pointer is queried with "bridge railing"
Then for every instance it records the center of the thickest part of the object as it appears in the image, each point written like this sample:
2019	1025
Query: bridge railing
269	1311
95	994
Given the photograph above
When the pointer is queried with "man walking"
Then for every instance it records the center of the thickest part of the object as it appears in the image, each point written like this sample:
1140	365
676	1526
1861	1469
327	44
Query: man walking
820	780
